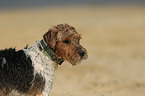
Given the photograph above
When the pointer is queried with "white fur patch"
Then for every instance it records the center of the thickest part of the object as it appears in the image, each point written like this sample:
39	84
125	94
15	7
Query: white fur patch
42	65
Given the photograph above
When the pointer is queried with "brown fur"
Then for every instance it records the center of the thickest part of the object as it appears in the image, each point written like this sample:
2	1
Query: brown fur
64	40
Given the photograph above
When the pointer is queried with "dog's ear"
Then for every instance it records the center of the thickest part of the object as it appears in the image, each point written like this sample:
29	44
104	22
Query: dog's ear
50	38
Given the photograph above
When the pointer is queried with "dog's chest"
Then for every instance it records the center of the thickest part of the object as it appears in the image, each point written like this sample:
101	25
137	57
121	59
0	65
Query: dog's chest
43	66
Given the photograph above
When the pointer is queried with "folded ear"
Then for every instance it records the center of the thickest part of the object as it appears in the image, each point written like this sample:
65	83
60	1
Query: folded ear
50	38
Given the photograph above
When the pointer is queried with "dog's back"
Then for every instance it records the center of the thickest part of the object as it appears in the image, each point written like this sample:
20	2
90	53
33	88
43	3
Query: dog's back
16	71
30	71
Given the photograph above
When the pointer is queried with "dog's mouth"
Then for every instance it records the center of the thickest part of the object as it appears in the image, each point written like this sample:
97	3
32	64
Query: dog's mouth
75	60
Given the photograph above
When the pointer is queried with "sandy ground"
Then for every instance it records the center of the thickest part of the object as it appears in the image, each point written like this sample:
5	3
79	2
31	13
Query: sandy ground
113	36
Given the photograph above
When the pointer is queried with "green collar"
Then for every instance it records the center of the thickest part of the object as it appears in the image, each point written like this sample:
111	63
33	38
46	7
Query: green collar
49	52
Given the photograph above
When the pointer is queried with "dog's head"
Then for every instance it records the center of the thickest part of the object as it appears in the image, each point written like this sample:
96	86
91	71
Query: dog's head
65	42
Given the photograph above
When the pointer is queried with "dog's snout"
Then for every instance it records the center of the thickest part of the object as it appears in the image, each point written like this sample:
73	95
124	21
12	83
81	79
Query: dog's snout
81	53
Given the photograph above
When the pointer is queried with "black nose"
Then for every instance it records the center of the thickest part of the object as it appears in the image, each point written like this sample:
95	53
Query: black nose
81	53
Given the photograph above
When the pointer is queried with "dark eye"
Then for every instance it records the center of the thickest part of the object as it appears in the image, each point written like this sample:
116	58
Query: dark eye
66	41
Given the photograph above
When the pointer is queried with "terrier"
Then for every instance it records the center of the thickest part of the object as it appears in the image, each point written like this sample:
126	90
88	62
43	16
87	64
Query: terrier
30	71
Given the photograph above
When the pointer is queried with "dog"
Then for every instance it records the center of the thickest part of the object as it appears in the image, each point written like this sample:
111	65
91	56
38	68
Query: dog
30	71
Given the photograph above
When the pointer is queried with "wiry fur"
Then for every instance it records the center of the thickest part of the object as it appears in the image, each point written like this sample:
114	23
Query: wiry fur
42	65
30	72
16	72
65	41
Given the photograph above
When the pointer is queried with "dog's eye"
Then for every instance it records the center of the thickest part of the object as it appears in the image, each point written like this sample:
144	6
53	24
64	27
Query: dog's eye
66	41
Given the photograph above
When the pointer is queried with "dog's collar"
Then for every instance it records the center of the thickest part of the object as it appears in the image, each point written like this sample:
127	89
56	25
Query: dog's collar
49	52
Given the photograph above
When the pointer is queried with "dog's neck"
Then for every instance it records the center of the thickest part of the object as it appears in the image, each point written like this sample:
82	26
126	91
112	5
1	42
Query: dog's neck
42	65
49	52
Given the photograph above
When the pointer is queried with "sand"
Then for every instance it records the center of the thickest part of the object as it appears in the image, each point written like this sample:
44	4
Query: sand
113	36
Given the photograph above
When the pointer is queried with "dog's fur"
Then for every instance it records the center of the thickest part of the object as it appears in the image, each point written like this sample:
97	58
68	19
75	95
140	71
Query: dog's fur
30	72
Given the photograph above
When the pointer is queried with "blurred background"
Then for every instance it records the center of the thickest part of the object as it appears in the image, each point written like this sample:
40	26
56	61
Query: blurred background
113	32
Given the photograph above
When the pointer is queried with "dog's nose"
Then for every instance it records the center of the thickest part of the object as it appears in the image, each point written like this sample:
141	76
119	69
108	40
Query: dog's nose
81	53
